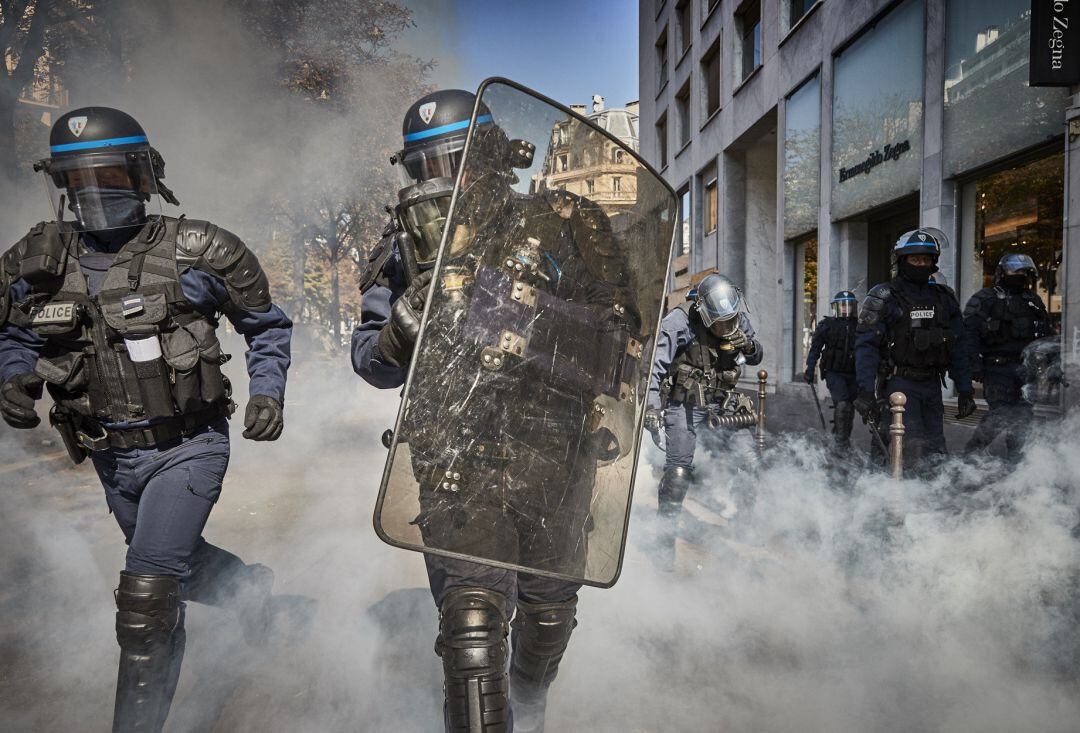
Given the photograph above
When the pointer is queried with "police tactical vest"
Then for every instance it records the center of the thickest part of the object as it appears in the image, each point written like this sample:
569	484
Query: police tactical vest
839	353
1006	317
922	337
705	368
86	360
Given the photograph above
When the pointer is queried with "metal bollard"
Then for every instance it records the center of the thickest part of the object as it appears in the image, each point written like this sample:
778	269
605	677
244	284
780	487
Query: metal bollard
897	400
762	380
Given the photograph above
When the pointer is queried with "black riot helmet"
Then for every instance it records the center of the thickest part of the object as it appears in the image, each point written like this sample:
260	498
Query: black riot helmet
102	168
433	136
921	241
717	301
1016	271
845	304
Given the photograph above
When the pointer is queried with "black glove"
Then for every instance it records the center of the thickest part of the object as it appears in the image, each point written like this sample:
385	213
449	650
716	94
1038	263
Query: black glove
741	341
17	401
965	405
808	376
868	406
653	421
264	418
398	337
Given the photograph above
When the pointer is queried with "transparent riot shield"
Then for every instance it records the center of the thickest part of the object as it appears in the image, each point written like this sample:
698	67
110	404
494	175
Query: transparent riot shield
519	430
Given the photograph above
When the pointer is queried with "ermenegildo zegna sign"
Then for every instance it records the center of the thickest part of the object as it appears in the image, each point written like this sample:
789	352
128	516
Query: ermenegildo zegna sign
1055	43
876	158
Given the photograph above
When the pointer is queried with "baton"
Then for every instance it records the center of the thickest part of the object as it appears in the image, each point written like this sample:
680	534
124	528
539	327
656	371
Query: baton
872	424
813	389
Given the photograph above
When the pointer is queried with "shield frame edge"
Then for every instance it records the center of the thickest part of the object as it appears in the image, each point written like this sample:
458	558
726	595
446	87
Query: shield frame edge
387	467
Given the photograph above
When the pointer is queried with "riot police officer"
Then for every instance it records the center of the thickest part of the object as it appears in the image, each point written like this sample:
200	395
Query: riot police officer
999	322
700	350
906	341
115	312
475	601
833	344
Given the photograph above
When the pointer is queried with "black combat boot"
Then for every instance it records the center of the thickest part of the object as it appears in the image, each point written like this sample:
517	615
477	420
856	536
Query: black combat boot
541	634
673	488
150	631
472	644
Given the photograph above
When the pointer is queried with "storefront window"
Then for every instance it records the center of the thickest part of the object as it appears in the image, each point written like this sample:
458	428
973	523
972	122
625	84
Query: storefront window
878	112
684	223
990	111
808	300
1021	210
802	159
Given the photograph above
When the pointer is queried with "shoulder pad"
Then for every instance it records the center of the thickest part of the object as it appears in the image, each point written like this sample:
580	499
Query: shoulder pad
873	304
203	246
948	290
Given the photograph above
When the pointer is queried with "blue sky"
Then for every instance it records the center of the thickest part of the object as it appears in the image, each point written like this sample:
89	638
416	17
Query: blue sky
566	49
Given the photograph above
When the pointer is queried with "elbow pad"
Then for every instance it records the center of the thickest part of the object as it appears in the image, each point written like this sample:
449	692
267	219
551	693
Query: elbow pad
214	250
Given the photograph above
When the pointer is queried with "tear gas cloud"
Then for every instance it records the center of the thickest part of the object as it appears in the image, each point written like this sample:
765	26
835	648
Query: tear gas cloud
824	604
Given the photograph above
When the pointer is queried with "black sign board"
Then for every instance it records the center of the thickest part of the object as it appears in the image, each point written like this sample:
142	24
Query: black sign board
1055	43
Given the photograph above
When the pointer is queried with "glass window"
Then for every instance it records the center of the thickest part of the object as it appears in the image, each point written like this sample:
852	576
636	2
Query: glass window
802	159
797	9
1022	210
750	29
710	71
877	127
711	206
685	12
616	184
563	162
661	142
682	113
808	300
590	186
661	61
684	222
990	111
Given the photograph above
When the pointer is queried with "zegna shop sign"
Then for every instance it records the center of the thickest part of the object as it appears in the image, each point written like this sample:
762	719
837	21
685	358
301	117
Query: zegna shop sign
1055	43
876	158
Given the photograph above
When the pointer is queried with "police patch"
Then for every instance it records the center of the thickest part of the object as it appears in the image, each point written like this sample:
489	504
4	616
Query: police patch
925	313
426	112
53	314
77	125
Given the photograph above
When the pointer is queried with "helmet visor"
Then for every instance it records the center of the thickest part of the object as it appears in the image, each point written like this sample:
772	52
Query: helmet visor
438	160
844	308
102	190
1015	264
717	300
423	209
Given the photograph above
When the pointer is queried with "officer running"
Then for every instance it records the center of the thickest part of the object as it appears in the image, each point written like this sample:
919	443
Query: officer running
906	341
999	322
475	601
700	350
833	344
116	313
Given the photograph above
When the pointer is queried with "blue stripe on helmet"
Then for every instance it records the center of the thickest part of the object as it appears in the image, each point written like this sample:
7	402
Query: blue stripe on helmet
88	144
845	299
441	129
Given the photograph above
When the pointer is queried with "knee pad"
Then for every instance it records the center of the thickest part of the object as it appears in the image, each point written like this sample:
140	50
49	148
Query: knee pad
472	644
673	487
541	634
148	610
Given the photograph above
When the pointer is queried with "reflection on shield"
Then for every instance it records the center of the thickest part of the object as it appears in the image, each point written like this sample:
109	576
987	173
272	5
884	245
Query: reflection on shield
519	431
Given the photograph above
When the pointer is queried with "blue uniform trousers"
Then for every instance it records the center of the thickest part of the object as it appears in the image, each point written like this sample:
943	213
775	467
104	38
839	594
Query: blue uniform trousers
161	498
842	387
924	416
1009	411
680	429
447	573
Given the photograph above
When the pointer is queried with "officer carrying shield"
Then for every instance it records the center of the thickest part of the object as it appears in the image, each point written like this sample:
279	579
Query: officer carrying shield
700	350
906	341
115	312
475	601
999	322
833	344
